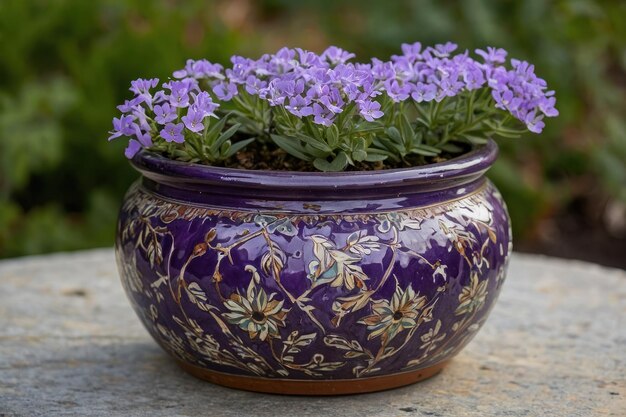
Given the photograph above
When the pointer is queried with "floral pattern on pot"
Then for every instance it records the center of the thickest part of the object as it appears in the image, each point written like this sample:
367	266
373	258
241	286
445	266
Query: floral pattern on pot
313	296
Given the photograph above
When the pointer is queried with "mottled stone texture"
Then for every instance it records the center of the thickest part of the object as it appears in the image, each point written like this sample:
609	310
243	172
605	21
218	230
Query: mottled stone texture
555	344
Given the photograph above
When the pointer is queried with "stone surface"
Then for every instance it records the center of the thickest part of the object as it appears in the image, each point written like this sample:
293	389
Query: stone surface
70	344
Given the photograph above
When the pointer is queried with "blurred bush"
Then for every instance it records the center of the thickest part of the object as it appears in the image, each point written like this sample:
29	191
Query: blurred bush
65	64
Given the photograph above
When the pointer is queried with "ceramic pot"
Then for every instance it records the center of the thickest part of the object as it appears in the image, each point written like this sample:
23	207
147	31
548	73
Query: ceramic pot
313	283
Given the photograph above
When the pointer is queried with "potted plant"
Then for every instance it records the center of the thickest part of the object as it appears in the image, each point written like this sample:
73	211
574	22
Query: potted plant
308	225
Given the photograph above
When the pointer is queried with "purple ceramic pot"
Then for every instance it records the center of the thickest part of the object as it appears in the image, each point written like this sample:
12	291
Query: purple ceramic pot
313	283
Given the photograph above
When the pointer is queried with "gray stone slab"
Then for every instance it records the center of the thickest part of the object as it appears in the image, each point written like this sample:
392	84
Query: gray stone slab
555	345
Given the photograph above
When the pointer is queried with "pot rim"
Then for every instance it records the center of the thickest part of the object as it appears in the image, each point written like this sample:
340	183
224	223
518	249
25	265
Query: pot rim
461	169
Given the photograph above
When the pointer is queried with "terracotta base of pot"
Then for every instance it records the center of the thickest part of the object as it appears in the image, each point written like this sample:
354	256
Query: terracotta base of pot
304	387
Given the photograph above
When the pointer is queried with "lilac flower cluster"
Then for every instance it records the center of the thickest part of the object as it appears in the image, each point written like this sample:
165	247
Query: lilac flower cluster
307	84
321	87
178	105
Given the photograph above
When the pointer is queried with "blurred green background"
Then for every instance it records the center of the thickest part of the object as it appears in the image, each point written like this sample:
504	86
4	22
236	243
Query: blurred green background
65	65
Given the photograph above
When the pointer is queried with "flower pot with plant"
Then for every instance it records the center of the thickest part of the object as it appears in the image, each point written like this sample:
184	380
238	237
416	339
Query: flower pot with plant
304	224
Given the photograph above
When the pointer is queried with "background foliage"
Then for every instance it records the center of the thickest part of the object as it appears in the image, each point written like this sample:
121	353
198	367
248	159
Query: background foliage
65	64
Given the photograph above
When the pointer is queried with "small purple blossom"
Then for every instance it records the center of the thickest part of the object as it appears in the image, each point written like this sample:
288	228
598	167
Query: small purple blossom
396	91
130	105
142	86
204	104
193	119
336	56
493	55
412	52
546	105
443	50
332	102
179	96
534	122
424	92
132	148
201	69
145	138
299	107
173	132
254	85
225	91
123	126
370	110
322	116
164	113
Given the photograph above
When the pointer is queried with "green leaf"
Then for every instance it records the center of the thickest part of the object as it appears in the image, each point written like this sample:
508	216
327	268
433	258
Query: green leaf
475	140
318	144
224	137
214	131
359	155
452	148
237	146
372	157
316	152
332	136
291	146
428	148
425	150
338	164
407	130
394	134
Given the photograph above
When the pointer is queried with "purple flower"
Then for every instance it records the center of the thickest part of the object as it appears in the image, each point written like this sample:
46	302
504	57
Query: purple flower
145	138
132	148
141	118
332	102
130	105
317	91
473	78
503	98
322	115
173	132
443	50
307	58
424	92
193	119
225	91
497	78
370	110
382	70
546	105
164	113
254	85
204	103
533	122
448	87
396	91
411	51
142	86
179	96
124	126
283	60
335	55
493	55
201	69
299	107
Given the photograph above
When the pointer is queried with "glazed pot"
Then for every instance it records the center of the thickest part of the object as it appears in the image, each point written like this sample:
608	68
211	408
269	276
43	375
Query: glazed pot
313	283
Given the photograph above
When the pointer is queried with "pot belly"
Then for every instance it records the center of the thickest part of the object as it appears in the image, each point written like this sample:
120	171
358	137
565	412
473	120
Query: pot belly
311	303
